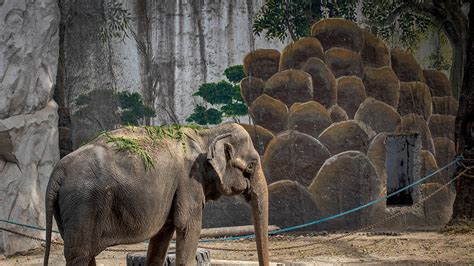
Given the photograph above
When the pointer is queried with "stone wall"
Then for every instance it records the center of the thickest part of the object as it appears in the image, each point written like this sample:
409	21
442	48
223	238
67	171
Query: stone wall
186	49
28	116
337	161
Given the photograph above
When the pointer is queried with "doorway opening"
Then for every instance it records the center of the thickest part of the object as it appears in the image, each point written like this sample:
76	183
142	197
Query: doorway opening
402	153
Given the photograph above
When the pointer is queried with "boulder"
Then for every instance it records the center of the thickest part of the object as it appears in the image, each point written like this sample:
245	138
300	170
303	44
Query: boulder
231	211
260	137
324	82
380	116
347	135
337	114
375	52
445	153
262	63
442	126
415	97
382	84
428	166
251	88
28	152
377	155
350	94
310	118
344	62
290	86
29	46
405	66
416	123
437	210
445	105
291	204
336	32
269	113
295	156
438	83
294	55
346	180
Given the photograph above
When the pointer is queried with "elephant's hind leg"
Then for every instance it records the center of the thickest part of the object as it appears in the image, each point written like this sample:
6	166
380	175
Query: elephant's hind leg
158	247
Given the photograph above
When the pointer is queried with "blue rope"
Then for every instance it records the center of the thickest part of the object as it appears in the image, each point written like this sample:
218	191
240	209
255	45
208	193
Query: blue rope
292	228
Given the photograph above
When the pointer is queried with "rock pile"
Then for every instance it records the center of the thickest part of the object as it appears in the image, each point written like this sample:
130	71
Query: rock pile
330	105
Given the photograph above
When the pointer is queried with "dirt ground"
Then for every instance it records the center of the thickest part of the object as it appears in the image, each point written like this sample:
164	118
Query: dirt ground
362	248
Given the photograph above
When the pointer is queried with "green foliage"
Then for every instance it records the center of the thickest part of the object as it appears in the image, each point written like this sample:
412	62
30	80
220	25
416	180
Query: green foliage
127	107
132	109
235	73
280	18
125	144
411	25
116	21
224	96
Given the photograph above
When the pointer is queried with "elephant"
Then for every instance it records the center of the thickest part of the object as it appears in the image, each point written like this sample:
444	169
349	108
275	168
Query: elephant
101	195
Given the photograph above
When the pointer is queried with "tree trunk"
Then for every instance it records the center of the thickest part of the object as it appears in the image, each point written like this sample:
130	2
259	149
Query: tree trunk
464	134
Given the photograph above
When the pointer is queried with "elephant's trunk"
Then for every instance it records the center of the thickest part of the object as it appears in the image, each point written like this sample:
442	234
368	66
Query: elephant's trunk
259	203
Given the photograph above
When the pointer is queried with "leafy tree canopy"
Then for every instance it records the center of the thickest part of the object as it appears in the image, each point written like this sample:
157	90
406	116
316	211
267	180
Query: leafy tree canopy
389	19
224	97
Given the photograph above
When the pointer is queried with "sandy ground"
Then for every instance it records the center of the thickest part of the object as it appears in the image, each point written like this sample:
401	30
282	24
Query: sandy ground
413	248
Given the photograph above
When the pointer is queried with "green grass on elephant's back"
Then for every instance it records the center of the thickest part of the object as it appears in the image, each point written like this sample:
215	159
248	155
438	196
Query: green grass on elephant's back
154	134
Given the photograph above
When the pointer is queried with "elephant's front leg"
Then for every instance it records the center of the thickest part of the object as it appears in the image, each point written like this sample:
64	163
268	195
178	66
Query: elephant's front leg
158	247
187	238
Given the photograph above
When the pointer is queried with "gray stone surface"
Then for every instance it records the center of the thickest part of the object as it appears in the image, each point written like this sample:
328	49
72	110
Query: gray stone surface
382	84
375	52
438	83
345	181
291	204
28	55
28	119
294	55
350	94
269	113
294	156
416	123
24	172
405	65
442	126
337	32
344	62
324	82
309	117
226	211
347	135
445	105
415	97
290	86
187	49
337	113
378	115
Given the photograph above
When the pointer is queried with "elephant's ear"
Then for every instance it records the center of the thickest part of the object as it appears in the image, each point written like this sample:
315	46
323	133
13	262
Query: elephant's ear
220	153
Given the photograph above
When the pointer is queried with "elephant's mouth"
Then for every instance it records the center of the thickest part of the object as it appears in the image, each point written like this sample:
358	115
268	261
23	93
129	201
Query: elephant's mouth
247	191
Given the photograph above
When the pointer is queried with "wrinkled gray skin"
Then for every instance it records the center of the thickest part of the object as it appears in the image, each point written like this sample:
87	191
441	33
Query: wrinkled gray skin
101	197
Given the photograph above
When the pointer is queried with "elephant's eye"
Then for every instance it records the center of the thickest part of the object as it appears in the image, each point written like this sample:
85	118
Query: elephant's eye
250	168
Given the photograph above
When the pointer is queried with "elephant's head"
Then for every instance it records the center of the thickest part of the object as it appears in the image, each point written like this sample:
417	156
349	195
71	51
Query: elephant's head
237	169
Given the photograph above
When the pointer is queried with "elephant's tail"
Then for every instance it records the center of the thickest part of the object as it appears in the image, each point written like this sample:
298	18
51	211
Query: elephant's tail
51	198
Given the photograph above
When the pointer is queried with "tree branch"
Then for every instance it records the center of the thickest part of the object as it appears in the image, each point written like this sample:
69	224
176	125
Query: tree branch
392	17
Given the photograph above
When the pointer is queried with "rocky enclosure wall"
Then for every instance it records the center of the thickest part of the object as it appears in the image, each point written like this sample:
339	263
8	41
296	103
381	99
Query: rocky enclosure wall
189	43
323	108
28	116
